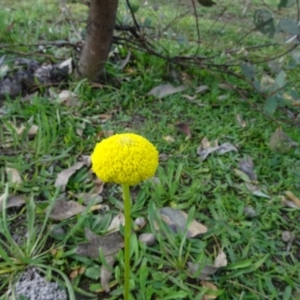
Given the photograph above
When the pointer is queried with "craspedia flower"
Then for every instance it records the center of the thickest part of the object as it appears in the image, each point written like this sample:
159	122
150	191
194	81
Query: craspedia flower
124	159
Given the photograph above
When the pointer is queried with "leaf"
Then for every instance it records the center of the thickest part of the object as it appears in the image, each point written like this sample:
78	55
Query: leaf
164	90
169	139
220	260
211	287
286	3
63	177
106	273
93	272
13	175
280	142
68	98
207	3
12	201
116	222
288	26
110	244
87	198
177	220
63	210
184	128
201	89
240	121
271	105
281	79
208	270
292	197
264	22
226	147
248	69
123	63
246	165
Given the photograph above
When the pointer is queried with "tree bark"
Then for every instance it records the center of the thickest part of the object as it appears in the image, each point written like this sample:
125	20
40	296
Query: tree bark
100	27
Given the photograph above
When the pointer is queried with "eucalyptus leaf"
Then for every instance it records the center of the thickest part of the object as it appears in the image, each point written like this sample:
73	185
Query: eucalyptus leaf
288	26
264	22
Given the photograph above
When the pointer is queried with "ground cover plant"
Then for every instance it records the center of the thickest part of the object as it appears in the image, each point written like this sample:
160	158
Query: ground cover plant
220	218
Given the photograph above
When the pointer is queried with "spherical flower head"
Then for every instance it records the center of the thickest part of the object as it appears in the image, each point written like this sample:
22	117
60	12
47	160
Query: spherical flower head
124	159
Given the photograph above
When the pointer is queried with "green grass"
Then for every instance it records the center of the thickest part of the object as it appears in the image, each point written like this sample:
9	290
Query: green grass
260	265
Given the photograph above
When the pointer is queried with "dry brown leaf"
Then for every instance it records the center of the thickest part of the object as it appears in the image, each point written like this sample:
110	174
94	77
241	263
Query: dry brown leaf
68	98
104	117
12	201
86	159
206	147
63	177
164	90
98	186
110	244
292	197
220	260
87	198
246	165
169	139
118	220
177	220
32	131
184	128
212	287
106	273
280	142
63	210
201	89
13	175
240	121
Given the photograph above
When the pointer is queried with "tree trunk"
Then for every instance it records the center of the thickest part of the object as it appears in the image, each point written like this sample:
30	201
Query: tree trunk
100	27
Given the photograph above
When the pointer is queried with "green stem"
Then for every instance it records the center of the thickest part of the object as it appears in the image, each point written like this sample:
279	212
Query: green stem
127	234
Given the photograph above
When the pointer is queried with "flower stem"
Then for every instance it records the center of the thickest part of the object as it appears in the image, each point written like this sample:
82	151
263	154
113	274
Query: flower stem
127	234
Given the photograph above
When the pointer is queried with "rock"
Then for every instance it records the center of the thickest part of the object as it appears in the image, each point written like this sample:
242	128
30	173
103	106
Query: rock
147	238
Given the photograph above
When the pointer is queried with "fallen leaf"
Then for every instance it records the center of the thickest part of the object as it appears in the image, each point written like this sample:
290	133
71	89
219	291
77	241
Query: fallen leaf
118	220
220	260
12	201
63	177
86	160
169	139
288	203
204	274
210	286
222	97
292	197
280	142
177	221
87	198
147	239
206	147
201	89
68	98
122	63
63	210
110	244
98	186
13	175
287	236
164	90
184	128
240	121
32	131
246	165
106	273
226	147
242	175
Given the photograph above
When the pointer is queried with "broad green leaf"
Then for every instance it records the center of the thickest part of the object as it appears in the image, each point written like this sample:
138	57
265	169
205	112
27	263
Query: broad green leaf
288	26
271	105
264	22
248	70
286	3
93	272
280	79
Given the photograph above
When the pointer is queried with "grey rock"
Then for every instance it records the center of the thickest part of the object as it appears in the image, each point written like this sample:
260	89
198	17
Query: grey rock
32	286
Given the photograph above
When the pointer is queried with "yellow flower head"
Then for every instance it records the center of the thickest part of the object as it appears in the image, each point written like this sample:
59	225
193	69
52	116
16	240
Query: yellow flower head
124	159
